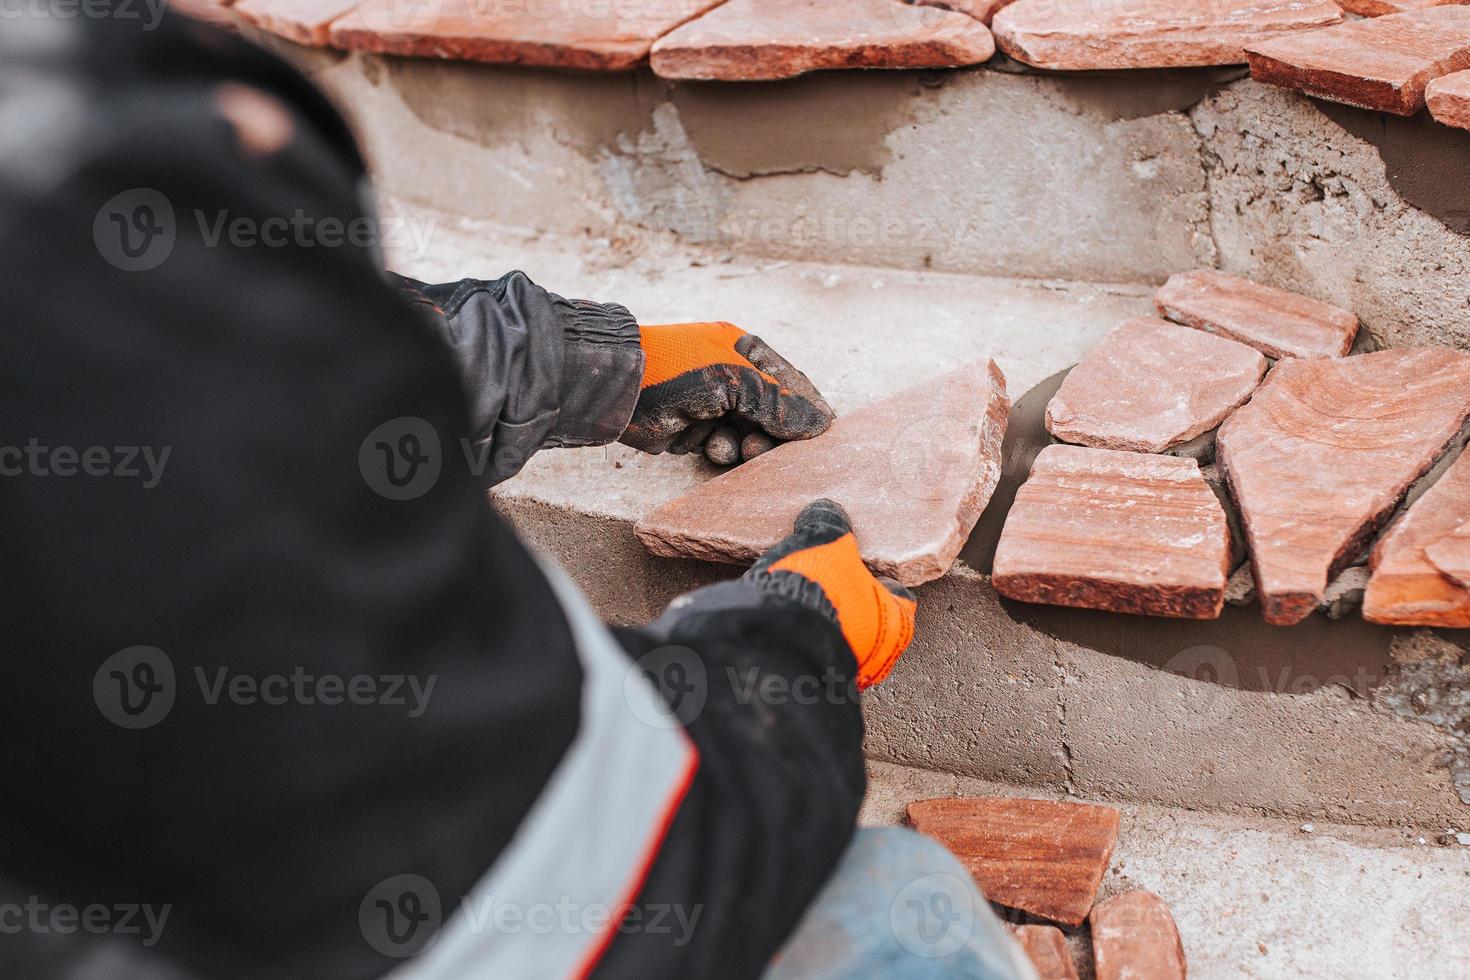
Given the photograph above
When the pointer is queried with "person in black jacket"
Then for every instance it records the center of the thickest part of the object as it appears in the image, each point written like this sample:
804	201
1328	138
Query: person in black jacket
285	697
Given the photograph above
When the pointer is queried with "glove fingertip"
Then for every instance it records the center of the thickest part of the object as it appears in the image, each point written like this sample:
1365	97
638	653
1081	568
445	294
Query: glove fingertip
823	515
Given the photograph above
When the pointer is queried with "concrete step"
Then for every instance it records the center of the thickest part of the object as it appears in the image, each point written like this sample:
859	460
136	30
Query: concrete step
1327	720
995	170
1257	898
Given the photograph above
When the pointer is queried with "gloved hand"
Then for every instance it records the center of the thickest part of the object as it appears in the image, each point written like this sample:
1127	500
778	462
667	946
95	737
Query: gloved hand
819	567
704	379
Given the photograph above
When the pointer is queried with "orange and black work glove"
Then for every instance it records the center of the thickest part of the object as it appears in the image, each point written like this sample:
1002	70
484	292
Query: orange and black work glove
714	379
819	567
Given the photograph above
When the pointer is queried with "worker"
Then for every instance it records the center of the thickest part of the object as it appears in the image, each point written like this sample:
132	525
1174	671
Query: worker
284	697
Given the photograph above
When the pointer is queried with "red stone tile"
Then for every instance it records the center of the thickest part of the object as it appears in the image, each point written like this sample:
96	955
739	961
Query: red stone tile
1419	571
1126	532
1449	99
914	472
766	39
1046	948
1040	856
1149	33
1384	63
982	10
1150	385
1134	938
1273	321
1382	8
1324	452
598	36
302	21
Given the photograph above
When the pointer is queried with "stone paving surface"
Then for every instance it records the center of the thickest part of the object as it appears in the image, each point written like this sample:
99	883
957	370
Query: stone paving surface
1125	532
1410	586
1134	938
745	40
1042	857
1274	321
982	10
1046	948
1383	63
1151	385
1448	98
1324	452
914	472
1451	553
1149	33
1382	8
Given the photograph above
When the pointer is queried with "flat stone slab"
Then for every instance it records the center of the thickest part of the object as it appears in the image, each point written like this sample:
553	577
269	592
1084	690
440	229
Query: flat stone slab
1274	321
303	21
1125	532
1134	938
914	471
1324	452
1383	63
1448	99
1149	33
1419	571
1150	385
982	10
595	36
1383	8
1046	948
752	40
1043	857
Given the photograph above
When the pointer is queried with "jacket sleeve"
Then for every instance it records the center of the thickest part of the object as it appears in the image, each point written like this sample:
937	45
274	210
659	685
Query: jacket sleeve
539	370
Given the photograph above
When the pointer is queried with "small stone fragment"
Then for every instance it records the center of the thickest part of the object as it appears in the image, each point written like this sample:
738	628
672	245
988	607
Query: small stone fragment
588	36
1149	33
1449	99
302	21
748	40
914	471
1409	587
1151	385
1383	63
1273	321
1134	938
1126	532
723	446
1241	589
1345	594
756	444
1323	453
1040	856
1046	948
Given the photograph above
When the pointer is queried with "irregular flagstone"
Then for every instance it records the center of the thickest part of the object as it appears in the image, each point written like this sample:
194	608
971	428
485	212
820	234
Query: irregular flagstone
1134	938
982	10
1411	585
914	472
1046	948
1149	33
1322	454
1383	63
1449	99
1151	385
1040	856
748	40
597	36
1274	321
1382	8
1126	532
302	21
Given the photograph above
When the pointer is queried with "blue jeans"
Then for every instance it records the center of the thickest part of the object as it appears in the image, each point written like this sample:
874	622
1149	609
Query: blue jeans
900	907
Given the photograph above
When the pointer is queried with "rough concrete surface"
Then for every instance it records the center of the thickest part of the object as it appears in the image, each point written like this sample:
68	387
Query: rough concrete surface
1264	899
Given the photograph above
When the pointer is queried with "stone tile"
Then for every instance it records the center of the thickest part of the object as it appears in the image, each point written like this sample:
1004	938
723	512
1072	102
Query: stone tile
1126	532
599	36
1134	938
1383	63
1149	33
982	10
1273	321
302	21
914	470
1448	98
1151	385
1046	948
1419	571
1382	8
746	40
1040	856
1322	454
